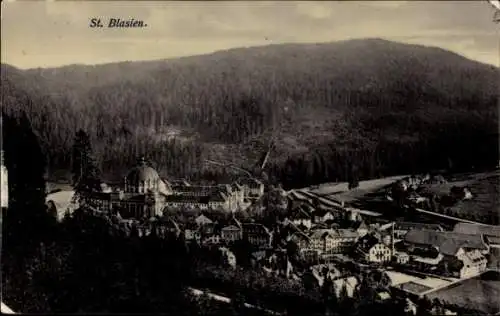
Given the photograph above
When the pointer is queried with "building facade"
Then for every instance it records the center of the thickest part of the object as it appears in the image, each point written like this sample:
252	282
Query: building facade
145	194
332	241
258	235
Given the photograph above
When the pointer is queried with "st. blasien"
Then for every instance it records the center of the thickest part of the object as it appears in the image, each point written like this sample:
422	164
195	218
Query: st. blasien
145	194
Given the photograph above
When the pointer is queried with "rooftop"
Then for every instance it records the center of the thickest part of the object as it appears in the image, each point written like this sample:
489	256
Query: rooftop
447	242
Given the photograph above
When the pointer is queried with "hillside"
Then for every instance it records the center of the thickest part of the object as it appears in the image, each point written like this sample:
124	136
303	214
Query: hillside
366	107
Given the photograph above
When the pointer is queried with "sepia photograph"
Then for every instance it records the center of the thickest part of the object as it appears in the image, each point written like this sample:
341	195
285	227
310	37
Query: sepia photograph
244	158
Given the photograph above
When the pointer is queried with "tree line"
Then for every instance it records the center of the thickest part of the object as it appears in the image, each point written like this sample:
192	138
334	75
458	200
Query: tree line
331	120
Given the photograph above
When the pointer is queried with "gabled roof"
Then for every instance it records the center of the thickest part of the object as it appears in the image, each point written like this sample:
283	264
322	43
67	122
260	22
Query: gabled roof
366	243
362	225
202	220
421	226
231	227
321	212
448	243
340	233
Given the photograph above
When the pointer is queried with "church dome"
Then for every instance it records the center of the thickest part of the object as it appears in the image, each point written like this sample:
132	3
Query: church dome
142	176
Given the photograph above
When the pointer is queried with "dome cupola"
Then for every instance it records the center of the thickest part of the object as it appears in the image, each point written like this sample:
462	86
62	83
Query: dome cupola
142	178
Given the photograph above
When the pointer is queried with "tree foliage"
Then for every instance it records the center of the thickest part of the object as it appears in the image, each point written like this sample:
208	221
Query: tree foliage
86	177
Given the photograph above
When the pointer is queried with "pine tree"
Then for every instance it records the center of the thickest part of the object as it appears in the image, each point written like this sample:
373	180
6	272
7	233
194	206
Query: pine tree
25	163
86	175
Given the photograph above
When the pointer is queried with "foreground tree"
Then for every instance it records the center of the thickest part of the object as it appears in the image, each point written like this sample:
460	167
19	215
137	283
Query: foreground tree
26	224
86	175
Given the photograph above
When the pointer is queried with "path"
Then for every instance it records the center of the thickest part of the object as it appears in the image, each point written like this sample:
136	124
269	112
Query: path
225	299
448	217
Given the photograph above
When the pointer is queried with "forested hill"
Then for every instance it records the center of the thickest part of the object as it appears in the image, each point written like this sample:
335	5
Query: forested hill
369	107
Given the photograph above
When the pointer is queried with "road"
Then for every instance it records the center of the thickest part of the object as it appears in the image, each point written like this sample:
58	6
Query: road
227	300
450	284
329	202
447	217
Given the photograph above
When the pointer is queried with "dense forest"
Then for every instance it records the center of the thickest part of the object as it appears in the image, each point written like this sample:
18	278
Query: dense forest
358	108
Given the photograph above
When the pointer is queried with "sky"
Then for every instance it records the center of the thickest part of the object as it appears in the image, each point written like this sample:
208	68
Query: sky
55	33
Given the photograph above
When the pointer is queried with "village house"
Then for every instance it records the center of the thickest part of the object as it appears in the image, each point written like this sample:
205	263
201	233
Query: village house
191	232
214	239
252	188
233	231
362	229
330	241
322	216
468	249
202	220
413	182
370	249
353	214
491	233
300	216
401	258
460	193
257	234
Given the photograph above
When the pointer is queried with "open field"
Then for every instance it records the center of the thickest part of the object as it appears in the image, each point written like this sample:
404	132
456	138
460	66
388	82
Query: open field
485	201
398	278
459	180
480	293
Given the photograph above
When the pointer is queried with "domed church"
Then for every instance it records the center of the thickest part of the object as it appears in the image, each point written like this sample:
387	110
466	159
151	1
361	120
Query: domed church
144	179
144	194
